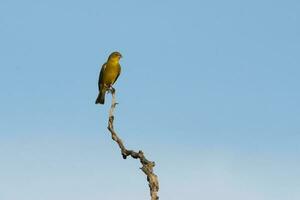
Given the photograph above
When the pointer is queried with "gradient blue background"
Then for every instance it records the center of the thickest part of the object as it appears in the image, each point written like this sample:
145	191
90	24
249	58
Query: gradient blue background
209	90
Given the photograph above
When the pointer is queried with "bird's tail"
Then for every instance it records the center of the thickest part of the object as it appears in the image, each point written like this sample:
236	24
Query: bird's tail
101	97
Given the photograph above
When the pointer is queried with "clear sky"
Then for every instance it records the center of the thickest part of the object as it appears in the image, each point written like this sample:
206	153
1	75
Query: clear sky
209	90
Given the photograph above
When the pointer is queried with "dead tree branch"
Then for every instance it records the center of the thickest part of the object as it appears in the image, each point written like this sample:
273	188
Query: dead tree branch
147	166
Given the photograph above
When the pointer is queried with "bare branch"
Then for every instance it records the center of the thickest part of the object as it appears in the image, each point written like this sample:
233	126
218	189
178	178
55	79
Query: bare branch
147	166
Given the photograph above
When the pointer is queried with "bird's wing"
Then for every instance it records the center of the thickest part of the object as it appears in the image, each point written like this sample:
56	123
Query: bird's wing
101	76
117	75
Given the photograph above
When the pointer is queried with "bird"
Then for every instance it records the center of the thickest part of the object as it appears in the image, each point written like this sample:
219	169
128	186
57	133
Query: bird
109	73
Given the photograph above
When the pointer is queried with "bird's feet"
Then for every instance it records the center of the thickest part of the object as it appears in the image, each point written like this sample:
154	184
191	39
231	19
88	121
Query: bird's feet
111	90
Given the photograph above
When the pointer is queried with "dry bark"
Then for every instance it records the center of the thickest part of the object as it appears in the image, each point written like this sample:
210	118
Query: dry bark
147	166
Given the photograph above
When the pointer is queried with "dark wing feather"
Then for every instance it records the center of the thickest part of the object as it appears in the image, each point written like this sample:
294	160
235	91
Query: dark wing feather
101	76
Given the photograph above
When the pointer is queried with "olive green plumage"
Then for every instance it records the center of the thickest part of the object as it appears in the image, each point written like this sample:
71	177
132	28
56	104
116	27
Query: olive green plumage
109	73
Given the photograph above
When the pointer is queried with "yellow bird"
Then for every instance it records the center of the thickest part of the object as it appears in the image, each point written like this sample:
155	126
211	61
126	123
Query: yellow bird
109	73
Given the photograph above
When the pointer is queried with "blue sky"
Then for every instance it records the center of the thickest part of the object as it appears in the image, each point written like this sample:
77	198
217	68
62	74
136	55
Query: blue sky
208	90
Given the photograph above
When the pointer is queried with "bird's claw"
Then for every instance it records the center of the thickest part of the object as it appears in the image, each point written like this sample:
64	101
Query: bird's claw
111	90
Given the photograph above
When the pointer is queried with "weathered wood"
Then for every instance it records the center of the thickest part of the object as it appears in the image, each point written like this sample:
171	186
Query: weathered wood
147	166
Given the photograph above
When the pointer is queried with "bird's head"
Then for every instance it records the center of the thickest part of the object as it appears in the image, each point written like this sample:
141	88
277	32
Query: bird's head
115	56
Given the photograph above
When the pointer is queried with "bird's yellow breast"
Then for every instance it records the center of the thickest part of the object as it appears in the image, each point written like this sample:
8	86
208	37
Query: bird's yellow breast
111	72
